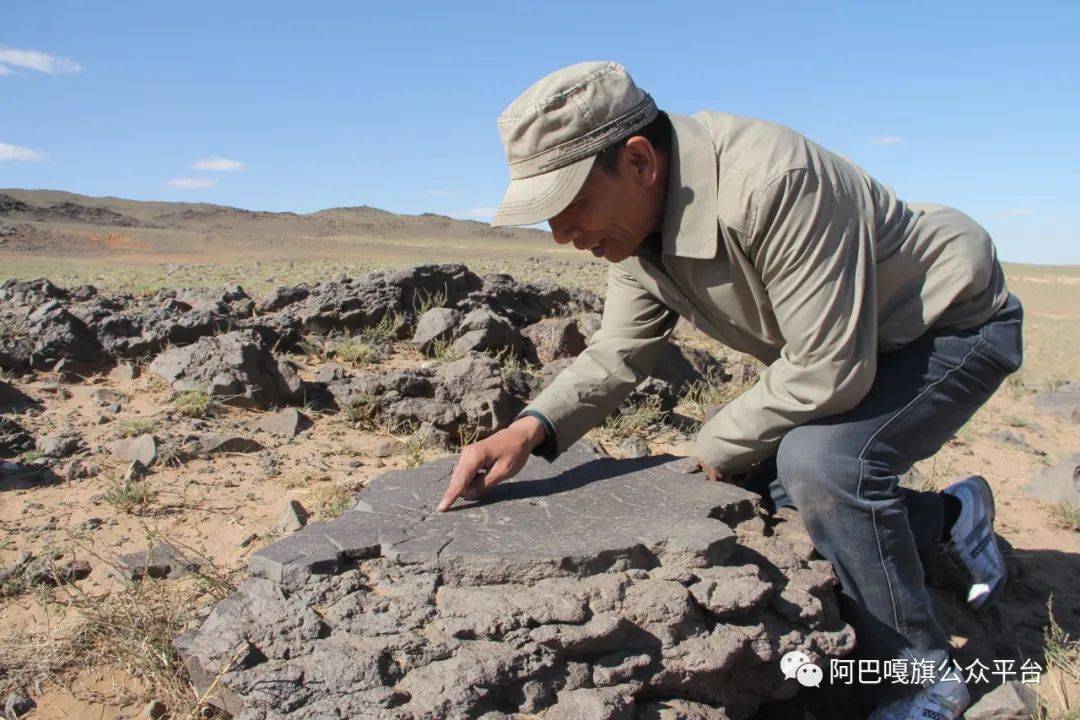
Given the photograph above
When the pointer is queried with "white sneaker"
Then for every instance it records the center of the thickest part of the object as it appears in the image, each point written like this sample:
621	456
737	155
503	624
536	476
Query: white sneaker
944	700
972	544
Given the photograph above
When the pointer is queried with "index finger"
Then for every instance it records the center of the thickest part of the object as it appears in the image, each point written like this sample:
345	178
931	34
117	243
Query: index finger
464	470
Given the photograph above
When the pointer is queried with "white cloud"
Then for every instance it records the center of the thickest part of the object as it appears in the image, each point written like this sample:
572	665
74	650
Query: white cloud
38	61
14	153
217	163
1021	212
477	213
886	140
440	193
192	183
4	71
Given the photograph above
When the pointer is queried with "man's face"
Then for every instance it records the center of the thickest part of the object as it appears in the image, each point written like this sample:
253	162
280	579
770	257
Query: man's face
612	214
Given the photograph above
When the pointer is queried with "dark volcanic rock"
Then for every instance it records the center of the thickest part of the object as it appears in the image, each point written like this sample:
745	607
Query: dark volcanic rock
141	448
465	395
60	335
59	445
1063	402
160	561
437	324
483	330
555	338
234	366
354	303
527	303
562	592
14	439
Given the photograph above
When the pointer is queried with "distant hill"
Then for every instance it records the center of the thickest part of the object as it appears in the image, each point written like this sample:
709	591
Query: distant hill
62	223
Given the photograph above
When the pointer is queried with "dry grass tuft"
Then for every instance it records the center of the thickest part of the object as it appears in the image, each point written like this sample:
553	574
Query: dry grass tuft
331	500
1062	654
635	419
193	403
130	427
1066	516
127	630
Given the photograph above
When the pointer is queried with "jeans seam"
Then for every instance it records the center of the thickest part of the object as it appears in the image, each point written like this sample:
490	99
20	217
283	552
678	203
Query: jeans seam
901	627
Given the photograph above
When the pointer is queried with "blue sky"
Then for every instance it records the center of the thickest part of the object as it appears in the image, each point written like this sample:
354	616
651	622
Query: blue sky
302	106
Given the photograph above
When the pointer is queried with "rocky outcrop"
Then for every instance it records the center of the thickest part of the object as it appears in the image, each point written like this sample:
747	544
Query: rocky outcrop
526	303
586	588
42	324
234	367
469	395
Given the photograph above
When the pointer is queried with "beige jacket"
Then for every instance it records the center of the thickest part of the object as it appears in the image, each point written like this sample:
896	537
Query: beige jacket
784	250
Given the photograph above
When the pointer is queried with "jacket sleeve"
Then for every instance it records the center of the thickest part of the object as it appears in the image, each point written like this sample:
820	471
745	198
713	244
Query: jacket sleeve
814	252
633	332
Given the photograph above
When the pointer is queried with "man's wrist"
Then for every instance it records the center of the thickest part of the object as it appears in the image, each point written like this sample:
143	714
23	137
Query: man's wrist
547	447
533	429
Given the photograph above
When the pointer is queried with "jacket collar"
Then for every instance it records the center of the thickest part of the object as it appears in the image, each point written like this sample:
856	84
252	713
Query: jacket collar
690	206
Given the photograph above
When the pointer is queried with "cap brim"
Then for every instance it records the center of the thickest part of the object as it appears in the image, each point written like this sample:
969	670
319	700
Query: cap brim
534	199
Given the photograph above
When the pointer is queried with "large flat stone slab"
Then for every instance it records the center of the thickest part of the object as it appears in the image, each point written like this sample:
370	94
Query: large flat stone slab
585	584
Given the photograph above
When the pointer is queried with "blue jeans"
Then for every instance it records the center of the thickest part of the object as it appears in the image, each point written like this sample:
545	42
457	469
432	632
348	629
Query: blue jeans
841	475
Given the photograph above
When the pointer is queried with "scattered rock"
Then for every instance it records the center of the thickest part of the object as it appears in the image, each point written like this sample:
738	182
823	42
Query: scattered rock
18	704
551	595
1060	483
1007	437
49	569
60	335
209	443
435	325
331	372
427	435
135	471
387	447
634	447
285	423
160	561
293	517
124	371
141	448
79	470
1063	403
105	397
154	710
14	440
555	338
234	366
59	445
1010	701
484	330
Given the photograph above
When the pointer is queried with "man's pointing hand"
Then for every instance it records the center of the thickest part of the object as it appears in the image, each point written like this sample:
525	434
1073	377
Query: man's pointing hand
484	464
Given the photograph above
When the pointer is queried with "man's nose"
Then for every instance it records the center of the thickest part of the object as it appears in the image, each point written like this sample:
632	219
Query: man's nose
562	234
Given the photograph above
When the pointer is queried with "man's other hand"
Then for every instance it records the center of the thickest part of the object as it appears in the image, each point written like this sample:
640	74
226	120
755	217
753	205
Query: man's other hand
711	472
499	457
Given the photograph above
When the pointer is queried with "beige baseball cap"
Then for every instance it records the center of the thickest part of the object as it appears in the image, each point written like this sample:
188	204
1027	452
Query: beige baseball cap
553	131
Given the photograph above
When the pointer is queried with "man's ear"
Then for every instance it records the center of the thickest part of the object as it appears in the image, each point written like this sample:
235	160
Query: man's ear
641	160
